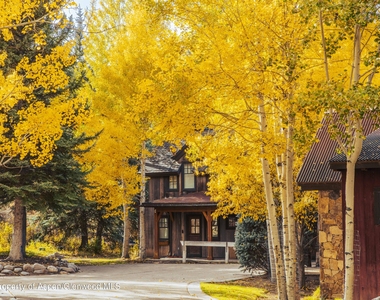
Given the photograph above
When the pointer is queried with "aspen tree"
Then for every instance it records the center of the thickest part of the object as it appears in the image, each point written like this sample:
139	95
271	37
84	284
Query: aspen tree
128	49
246	52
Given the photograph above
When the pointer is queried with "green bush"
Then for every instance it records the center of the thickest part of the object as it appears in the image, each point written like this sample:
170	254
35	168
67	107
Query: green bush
251	244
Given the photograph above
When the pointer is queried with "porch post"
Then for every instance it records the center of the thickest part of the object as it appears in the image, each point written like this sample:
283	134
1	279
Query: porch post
207	215
156	233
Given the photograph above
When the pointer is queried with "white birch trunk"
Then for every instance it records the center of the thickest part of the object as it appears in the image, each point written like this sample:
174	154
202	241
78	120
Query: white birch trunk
292	286
142	242
271	207
349	242
281	174
272	262
349	254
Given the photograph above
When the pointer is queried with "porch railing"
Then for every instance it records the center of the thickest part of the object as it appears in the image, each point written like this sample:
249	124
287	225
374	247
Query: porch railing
226	245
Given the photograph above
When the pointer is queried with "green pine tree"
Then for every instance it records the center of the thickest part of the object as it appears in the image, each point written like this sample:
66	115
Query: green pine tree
58	185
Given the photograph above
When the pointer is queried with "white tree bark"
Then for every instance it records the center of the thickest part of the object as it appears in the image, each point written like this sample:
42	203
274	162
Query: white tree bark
349	254
292	286
142	242
281	174
357	144
271	207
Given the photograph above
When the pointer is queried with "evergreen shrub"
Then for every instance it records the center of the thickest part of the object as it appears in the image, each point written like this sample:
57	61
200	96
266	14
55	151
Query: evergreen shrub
251	245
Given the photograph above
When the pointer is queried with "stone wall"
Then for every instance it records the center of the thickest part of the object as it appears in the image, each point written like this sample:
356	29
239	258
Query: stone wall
331	244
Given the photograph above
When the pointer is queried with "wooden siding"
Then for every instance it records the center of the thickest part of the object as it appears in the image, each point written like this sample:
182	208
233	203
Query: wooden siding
156	189
367	235
201	183
159	188
149	230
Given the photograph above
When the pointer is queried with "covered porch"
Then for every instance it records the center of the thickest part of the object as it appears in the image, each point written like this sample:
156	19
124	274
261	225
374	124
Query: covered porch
184	218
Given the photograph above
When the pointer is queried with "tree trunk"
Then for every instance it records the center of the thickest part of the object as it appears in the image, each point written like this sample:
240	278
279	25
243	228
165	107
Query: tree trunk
17	251
84	230
301	257
127	232
142	242
272	265
349	254
271	207
282	174
98	235
291	281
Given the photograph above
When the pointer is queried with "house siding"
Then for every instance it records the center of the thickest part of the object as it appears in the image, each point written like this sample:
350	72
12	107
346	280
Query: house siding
161	199
367	242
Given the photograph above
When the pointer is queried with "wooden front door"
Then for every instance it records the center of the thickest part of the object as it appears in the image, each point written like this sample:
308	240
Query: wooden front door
194	233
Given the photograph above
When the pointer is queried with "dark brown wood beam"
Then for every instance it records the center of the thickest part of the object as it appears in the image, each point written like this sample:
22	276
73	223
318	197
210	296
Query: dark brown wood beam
157	216
207	215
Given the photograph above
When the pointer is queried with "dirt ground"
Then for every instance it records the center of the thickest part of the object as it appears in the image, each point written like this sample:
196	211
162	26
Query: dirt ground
312	282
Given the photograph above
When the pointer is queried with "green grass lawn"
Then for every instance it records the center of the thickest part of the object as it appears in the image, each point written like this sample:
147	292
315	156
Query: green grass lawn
228	292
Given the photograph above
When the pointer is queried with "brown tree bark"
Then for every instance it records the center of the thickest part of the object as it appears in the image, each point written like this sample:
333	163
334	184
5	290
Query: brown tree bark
17	251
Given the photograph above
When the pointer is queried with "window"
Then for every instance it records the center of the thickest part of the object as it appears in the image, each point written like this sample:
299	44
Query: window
195	226
164	228
173	182
215	229
231	222
189	180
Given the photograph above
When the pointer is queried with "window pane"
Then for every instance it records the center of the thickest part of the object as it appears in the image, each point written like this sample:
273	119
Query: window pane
231	222
195	226
215	229
164	233
173	182
189	182
164	228
188	169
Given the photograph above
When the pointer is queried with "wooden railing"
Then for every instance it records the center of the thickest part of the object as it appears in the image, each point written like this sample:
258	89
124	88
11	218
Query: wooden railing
226	245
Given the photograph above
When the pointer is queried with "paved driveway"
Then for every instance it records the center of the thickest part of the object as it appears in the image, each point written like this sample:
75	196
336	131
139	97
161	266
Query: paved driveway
128	281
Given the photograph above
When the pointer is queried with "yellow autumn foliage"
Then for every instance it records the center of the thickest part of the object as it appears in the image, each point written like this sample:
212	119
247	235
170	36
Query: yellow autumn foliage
38	125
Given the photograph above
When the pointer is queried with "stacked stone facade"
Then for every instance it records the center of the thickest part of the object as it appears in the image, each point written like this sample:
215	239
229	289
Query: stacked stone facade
331	244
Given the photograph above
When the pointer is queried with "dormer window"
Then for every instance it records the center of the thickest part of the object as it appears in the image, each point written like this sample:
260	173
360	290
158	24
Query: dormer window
189	179
173	182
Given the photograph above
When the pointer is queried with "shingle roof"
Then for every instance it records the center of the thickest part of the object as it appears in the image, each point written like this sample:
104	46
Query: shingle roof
161	162
316	173
369	156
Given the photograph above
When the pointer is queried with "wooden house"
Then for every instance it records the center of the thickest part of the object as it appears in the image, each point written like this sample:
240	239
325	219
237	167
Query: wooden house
177	209
325	171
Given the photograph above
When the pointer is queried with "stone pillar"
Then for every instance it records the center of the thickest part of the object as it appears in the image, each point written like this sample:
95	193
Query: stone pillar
331	244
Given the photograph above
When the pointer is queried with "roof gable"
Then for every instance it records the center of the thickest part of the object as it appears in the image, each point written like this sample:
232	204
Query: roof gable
162	162
316	173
